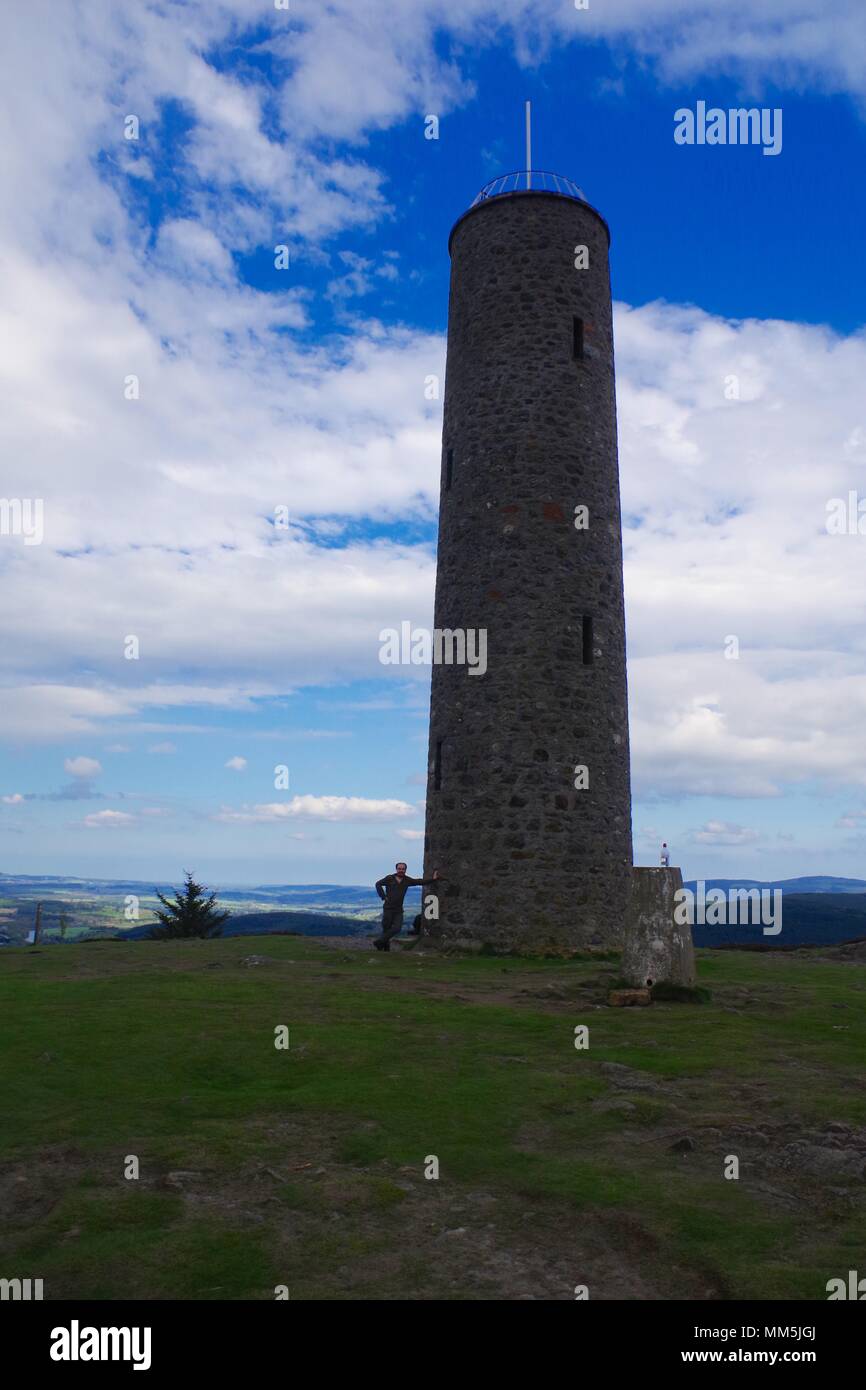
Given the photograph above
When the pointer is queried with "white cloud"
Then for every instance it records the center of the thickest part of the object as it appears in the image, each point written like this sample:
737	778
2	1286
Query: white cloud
339	71
410	834
360	276
237	764
716	832
114	820
165	747
723	501
14	800
784	41
725	507
189	248
356	280
357	68
39	712
82	767
329	808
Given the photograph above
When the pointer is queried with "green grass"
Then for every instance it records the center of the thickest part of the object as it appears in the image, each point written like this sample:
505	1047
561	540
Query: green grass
308	1164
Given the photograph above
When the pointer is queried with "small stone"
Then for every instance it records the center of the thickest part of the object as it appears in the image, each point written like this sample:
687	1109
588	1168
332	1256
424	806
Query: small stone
458	1231
623	1106
178	1179
682	1146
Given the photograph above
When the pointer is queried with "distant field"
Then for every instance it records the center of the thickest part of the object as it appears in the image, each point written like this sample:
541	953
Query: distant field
105	909
815	910
306	1167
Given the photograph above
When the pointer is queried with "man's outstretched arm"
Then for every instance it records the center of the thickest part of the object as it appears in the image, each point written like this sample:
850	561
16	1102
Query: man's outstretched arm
423	882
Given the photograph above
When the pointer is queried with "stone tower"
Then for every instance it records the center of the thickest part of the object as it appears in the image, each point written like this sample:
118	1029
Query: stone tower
529	439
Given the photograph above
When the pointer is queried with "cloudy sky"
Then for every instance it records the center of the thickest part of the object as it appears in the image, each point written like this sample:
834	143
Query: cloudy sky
172	395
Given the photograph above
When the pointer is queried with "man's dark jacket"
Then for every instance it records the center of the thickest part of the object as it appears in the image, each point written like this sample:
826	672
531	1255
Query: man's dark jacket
392	891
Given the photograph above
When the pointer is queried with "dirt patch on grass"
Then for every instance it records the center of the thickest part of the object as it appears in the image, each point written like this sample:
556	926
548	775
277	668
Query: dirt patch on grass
31	1189
380	1232
338	1229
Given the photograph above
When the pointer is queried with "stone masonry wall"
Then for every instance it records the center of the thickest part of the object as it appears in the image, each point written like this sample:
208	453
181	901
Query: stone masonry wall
527	858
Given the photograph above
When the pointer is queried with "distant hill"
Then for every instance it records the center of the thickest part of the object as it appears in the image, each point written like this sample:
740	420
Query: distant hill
816	883
808	919
816	910
92	908
266	923
30	885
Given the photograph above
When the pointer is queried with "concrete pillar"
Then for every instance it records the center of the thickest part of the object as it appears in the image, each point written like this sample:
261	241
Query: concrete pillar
658	950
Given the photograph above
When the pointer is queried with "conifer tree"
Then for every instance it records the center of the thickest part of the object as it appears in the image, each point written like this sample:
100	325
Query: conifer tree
191	913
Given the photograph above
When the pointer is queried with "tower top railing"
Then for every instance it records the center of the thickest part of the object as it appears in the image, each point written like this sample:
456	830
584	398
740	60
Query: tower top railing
530	181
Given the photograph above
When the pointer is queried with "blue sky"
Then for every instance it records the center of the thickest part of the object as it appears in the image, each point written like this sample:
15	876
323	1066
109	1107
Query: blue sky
304	388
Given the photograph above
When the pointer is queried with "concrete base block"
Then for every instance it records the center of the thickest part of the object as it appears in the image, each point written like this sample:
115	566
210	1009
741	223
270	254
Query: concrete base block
657	949
629	998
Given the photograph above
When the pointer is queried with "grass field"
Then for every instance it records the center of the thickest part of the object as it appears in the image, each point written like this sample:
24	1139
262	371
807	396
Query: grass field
305	1167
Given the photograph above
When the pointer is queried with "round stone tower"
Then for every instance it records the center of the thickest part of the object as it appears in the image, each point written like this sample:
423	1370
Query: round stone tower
528	795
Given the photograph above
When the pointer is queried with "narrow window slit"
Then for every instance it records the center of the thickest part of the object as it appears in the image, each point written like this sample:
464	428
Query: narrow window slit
437	767
587	641
449	468
577	338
